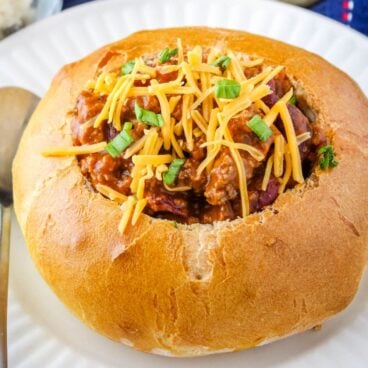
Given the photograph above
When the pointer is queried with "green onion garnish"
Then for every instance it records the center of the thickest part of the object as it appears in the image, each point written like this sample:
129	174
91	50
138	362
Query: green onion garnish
120	142
223	62
127	126
327	158
260	128
128	67
227	88
293	100
166	54
148	117
174	168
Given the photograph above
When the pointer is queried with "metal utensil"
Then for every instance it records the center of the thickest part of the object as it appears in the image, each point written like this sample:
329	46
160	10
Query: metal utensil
16	107
305	3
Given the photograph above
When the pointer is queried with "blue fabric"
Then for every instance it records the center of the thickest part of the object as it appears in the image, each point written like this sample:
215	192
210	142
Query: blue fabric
353	13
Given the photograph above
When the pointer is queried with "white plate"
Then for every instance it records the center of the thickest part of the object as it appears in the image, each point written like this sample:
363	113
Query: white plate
41	332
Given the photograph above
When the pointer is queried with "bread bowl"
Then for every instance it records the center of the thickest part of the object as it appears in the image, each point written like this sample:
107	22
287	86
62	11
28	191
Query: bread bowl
176	289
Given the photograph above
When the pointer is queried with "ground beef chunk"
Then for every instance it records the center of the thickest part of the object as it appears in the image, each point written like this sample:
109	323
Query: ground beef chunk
147	102
188	174
222	212
223	180
86	133
88	106
241	133
101	168
318	140
142	83
160	77
166	77
252	71
178	110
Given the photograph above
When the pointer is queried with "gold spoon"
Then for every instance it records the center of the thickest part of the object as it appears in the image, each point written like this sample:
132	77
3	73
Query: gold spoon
301	2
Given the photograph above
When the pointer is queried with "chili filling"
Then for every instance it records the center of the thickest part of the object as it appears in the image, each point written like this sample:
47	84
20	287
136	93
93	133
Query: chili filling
214	193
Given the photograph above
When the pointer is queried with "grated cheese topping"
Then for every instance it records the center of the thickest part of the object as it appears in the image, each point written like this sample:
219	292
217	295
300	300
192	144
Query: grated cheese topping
203	114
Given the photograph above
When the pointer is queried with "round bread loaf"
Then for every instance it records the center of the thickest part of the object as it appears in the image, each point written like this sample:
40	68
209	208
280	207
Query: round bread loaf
199	289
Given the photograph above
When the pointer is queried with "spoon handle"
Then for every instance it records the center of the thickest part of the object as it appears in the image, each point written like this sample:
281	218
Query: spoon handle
5	220
301	2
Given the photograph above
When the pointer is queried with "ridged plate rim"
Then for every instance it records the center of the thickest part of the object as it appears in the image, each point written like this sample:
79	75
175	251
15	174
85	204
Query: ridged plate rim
41	332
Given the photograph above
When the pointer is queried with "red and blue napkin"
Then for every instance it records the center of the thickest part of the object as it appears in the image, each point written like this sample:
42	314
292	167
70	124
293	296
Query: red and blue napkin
353	13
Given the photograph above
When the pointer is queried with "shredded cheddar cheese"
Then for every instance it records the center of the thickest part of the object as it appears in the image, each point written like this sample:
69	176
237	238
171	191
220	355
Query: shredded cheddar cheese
204	115
199	120
111	193
177	189
267	173
273	74
287	173
254	152
128	210
178	150
165	112
155	160
186	122
272	115
135	147
279	151
292	143
242	177
173	101
160	170
74	150
138	210
236	68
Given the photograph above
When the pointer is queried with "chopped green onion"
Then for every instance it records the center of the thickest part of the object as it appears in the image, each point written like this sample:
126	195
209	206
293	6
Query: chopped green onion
148	117
166	54
227	88
327	158
223	62
293	100
127	126
174	168
120	142
128	67
260	128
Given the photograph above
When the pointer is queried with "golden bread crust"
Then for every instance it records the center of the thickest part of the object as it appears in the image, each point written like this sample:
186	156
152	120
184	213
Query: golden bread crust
192	290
